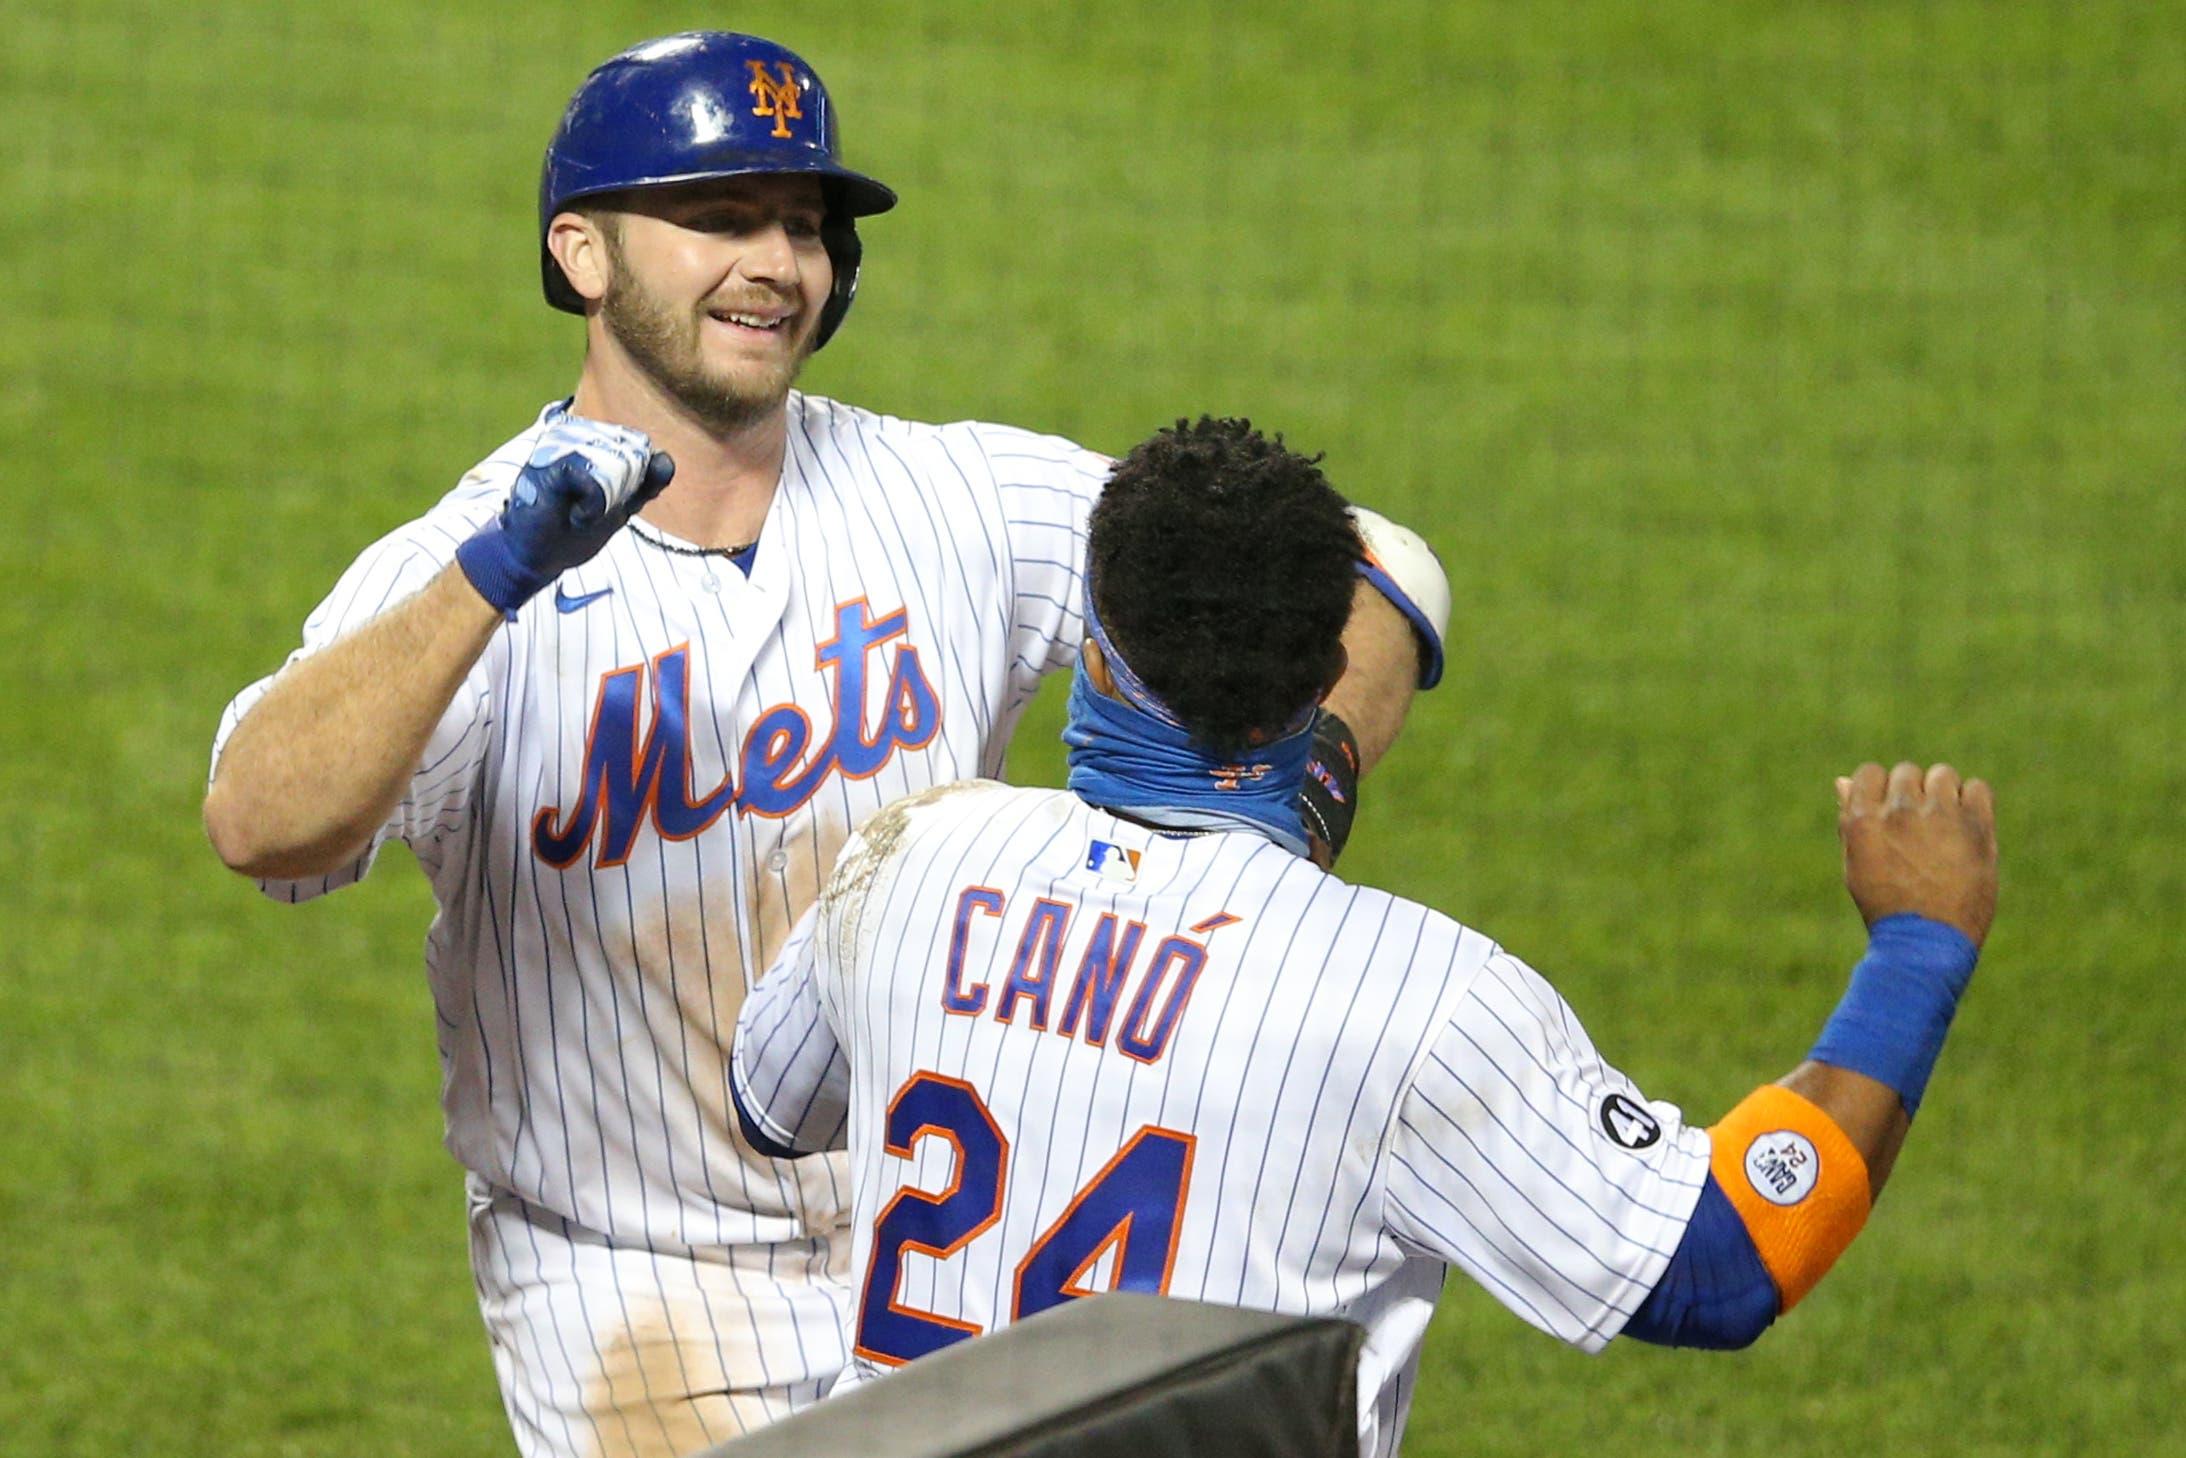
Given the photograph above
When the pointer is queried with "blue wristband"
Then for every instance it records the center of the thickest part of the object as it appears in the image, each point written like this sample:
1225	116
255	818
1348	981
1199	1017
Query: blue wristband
494	570
1892	1021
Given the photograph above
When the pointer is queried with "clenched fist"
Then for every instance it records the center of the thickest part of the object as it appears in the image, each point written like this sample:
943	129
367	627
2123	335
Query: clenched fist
584	479
1919	843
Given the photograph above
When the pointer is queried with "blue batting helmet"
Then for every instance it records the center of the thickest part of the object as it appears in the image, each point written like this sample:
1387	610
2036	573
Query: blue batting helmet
705	104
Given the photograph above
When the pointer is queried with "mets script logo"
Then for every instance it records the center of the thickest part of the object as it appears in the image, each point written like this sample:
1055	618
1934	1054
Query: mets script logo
629	780
775	95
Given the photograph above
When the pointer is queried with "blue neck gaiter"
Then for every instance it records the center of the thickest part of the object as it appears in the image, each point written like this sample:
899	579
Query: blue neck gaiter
1132	753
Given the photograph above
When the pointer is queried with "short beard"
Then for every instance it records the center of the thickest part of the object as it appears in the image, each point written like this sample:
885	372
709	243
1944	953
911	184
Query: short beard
665	346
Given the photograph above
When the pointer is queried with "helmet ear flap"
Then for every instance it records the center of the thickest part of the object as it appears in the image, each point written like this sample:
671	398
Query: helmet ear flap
558	291
844	250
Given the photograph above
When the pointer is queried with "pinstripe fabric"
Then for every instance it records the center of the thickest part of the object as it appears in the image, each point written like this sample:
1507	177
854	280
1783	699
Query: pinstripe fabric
584	1010
1376	1092
604	1348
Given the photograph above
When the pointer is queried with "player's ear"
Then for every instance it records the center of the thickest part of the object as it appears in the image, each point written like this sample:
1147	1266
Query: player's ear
581	246
1342	665
1096	669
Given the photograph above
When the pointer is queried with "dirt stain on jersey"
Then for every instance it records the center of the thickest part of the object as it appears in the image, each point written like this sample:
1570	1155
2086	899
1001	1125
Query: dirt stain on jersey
781	892
689	952
649	1401
690	959
813	1191
873	847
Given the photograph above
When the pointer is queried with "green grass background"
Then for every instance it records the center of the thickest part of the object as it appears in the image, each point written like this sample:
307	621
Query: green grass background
1784	385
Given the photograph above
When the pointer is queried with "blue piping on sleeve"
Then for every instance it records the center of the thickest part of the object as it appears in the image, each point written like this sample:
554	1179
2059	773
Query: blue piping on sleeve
757	1137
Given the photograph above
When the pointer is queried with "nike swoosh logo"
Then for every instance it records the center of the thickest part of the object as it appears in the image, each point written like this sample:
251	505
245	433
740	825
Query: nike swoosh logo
568	604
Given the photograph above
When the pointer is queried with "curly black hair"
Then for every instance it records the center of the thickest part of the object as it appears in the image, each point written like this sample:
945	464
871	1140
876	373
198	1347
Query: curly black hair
1222	568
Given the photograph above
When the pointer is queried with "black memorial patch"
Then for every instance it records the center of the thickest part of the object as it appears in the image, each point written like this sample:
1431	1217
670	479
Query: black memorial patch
1629	1123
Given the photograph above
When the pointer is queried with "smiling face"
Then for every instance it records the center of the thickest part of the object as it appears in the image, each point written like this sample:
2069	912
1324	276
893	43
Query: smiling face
713	290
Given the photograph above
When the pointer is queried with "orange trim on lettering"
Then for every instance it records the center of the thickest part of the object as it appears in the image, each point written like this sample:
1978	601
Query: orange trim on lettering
907	1149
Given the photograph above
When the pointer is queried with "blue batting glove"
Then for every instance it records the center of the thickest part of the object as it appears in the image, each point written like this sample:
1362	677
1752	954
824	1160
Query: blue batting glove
585	479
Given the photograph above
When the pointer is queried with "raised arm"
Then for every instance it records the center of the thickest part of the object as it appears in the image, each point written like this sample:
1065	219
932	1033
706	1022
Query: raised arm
1796	1167
1381	675
1393	647
319	763
1524	1158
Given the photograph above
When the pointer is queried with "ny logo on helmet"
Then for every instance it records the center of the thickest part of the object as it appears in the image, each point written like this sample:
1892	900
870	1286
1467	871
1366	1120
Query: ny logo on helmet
775	95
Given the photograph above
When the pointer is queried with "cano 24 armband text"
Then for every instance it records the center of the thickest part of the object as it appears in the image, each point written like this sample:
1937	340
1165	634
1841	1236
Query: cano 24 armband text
1797	1182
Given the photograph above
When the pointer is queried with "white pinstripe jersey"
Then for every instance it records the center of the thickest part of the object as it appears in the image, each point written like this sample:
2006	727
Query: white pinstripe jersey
639	786
1069	1053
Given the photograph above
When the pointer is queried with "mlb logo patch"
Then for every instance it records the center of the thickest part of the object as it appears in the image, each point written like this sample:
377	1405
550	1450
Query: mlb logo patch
1112	862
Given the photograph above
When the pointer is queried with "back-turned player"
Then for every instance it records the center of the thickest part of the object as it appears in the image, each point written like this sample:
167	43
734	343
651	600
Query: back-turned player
1120	1036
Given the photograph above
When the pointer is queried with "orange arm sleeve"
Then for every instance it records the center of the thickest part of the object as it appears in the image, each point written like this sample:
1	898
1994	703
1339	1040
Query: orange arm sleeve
1796	1181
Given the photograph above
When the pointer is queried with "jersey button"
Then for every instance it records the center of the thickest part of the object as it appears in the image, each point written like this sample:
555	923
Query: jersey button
709	583
778	860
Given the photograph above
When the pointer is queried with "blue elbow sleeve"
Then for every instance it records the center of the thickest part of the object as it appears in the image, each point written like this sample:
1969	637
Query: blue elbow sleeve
1715	1292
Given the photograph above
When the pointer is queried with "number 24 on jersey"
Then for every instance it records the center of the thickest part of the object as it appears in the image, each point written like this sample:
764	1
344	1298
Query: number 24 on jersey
1134	1207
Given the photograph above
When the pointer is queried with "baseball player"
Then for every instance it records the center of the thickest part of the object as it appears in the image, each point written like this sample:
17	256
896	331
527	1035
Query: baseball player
1084	1040
627	689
